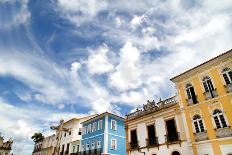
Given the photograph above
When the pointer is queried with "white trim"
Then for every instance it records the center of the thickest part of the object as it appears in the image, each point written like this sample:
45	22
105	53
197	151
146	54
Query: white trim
112	143
105	149
111	124
116	135
93	136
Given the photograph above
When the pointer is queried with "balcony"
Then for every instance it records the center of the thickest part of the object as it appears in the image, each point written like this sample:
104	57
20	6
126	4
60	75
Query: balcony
228	88
152	142
134	145
223	132
173	138
212	94
201	136
190	101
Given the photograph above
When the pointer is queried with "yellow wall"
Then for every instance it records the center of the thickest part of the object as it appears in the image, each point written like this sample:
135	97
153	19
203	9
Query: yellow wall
206	106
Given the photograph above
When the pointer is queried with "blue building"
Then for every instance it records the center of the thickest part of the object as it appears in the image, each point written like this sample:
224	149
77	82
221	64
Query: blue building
104	134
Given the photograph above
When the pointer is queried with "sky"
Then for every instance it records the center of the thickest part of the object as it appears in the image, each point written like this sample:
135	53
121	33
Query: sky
71	58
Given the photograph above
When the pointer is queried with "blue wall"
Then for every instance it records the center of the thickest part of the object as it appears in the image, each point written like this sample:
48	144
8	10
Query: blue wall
118	134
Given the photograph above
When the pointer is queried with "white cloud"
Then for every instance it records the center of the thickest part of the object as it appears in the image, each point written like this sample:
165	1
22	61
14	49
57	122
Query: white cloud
80	11
137	21
127	74
19	14
98	62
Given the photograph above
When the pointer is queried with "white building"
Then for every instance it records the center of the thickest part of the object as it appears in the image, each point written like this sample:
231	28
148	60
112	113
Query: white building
45	146
157	129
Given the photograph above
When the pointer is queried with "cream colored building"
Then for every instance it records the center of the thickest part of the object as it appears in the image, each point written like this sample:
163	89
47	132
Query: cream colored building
70	141
46	146
157	129
5	147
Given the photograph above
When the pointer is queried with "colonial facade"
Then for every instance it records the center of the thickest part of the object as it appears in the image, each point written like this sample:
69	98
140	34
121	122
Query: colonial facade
69	143
103	134
157	129
205	94
5	147
45	146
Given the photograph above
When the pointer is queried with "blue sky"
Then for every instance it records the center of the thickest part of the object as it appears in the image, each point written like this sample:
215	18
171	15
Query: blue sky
70	58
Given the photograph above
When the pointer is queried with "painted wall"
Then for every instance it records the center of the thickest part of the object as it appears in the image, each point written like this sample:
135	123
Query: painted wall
205	107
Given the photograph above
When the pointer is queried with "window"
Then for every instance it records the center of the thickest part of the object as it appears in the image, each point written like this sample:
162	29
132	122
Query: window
87	146
99	127
113	125
84	130
70	132
99	143
219	119
227	75
80	129
89	128
207	83
172	134
67	149
191	93
113	144
94	126
93	145
64	134
151	135
74	149
198	123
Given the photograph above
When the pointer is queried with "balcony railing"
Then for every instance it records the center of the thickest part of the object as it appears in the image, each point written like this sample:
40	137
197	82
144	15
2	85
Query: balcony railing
173	138
151	107
89	152
228	88
212	94
190	101
223	132
152	142
201	136
134	145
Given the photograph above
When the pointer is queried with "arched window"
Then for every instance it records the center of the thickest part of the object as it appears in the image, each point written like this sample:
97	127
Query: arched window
198	123
227	75
175	153
219	119
207	83
190	93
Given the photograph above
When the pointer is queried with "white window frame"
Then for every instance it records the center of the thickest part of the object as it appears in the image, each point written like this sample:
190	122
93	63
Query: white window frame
198	124
94	127
99	126
219	119
99	144
115	140
226	71
87	146
93	145
89	129
111	124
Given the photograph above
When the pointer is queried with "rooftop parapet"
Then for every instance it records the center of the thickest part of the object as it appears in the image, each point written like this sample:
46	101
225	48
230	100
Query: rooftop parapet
152	107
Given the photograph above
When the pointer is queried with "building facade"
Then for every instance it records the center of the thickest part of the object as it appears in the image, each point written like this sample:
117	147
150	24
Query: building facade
5	147
45	146
157	129
104	134
205	94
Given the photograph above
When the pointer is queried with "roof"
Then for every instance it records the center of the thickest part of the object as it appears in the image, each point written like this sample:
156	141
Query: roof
75	118
99	115
225	53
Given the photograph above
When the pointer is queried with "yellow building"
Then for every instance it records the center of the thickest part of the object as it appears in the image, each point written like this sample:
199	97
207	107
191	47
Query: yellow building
205	98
